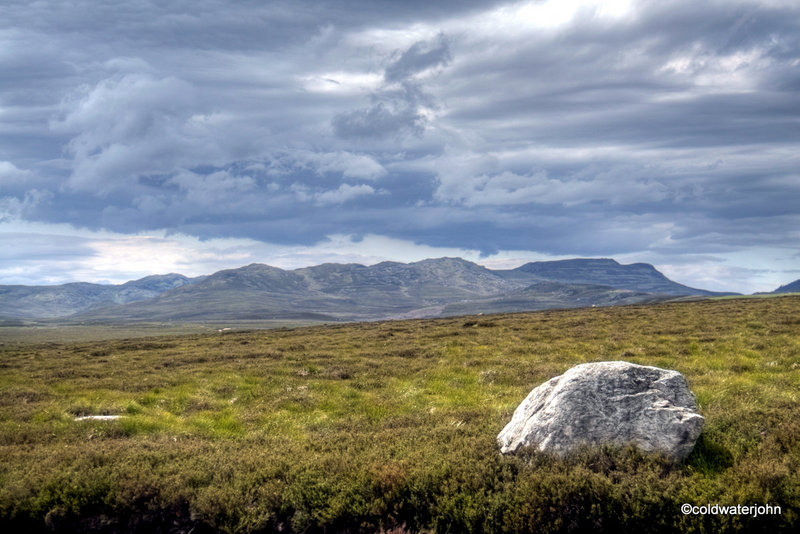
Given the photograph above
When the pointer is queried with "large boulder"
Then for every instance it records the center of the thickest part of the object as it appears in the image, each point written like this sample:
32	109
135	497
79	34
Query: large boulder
607	403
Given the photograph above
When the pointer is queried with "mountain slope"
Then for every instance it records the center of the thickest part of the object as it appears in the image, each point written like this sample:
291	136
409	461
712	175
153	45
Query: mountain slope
548	295
641	277
792	287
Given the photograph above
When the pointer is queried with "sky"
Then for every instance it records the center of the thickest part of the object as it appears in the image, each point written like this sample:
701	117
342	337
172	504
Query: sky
147	137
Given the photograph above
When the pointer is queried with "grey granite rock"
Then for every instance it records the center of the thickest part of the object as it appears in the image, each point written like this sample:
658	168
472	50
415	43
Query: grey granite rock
607	402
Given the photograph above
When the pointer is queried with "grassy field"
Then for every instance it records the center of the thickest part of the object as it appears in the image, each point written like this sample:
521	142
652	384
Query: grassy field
390	427
16	332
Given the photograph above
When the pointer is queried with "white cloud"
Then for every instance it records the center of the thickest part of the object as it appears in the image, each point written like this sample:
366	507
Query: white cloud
341	195
131	125
75	254
538	15
705	72
11	175
350	165
342	83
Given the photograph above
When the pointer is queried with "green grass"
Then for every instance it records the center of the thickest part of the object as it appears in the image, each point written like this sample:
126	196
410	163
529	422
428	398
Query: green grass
391	426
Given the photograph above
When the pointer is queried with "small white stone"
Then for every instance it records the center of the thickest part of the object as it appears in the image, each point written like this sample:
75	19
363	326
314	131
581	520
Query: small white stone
98	417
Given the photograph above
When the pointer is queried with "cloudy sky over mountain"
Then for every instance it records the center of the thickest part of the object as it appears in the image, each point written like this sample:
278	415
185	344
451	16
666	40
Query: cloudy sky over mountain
147	137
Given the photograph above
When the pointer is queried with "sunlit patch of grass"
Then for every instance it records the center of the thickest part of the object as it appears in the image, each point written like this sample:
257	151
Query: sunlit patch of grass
153	421
222	424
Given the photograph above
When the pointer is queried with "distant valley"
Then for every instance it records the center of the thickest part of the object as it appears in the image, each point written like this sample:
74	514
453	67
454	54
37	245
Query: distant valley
348	292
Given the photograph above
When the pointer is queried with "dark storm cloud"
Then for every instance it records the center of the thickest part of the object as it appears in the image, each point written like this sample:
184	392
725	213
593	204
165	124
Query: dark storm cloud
419	57
216	24
397	103
379	120
670	127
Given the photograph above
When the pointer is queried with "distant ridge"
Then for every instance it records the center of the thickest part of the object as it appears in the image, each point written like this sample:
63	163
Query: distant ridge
641	277
349	292
18	301
792	287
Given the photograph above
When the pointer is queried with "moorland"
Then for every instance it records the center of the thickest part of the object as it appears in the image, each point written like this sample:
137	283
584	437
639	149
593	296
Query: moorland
390	426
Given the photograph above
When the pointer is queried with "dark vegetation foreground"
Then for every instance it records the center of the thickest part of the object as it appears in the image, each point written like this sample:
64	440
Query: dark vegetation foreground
391	426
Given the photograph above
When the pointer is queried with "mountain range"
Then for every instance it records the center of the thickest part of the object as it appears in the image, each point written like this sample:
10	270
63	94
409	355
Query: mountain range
348	292
19	301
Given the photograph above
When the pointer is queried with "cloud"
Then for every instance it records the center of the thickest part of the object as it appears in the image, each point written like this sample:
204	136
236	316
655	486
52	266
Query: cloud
400	105
12	207
10	175
341	195
508	188
346	164
213	190
133	125
550	128
52	254
379	120
421	56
